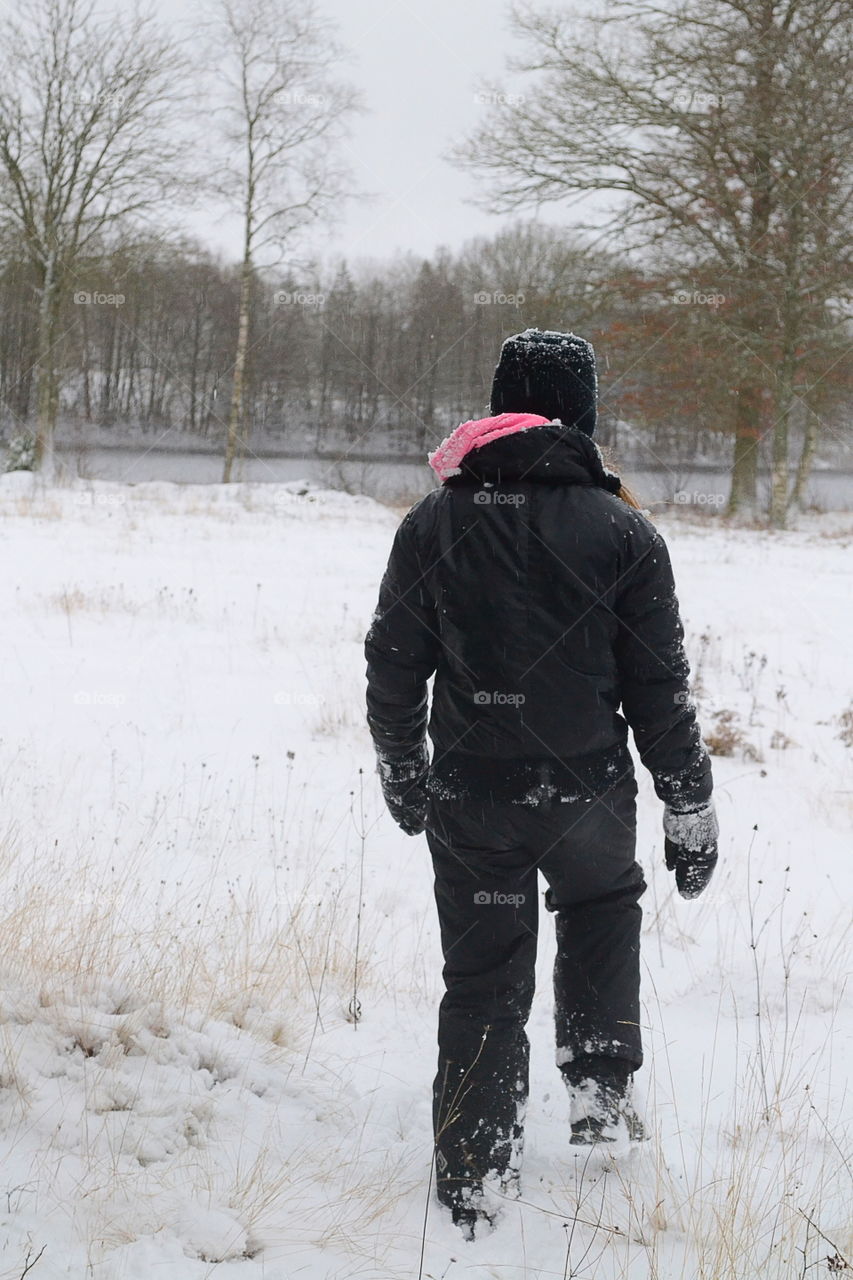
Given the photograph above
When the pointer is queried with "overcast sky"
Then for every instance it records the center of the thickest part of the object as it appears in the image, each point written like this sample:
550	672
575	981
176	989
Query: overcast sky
418	63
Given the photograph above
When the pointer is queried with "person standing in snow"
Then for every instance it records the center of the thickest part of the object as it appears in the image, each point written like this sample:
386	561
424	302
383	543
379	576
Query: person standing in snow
542	600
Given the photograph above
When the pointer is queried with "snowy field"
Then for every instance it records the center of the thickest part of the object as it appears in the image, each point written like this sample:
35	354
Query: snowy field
215	1064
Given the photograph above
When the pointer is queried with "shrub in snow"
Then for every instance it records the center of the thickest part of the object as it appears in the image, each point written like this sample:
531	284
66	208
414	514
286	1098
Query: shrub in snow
725	737
845	721
21	454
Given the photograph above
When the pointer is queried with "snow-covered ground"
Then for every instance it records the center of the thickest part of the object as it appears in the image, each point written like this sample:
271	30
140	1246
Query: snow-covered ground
214	1064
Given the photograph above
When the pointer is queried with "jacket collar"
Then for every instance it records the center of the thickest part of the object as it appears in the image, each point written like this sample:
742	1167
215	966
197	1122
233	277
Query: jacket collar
550	454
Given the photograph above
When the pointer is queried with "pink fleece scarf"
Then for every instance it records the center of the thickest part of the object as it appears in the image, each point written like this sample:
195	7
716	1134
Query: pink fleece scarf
446	458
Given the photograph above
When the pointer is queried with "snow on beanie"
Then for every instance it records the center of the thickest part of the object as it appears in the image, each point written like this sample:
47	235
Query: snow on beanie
542	371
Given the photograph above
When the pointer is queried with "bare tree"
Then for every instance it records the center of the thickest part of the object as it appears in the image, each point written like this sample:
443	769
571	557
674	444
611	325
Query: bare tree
283	117
88	141
725	129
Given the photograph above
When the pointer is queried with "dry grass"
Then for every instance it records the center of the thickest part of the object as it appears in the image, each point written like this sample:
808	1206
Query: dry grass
265	964
746	1201
726	737
164	602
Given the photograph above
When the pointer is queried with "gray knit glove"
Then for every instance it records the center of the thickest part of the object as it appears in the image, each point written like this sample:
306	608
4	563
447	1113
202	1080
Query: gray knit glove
690	846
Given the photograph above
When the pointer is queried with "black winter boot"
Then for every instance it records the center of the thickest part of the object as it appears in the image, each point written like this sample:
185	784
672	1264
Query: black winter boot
471	1214
602	1106
473	1223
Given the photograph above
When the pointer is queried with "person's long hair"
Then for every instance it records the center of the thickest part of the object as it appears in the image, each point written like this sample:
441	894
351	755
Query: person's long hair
627	496
623	492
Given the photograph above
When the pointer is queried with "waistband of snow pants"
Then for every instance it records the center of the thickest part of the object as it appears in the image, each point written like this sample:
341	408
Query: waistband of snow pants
455	775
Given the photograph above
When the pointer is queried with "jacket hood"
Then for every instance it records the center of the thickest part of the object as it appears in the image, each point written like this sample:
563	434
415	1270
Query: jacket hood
548	452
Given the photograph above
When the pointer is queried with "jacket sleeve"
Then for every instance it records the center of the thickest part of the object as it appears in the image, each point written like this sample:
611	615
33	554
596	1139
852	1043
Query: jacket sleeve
401	648
654	674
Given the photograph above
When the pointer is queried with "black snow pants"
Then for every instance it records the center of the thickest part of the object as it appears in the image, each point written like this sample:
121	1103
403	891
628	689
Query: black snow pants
486	859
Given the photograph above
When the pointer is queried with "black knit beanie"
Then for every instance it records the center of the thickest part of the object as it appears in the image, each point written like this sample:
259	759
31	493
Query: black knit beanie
552	374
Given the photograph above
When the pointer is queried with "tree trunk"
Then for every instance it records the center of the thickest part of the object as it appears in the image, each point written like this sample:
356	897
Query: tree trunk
791	327
48	388
781	432
804	465
744	490
779	482
235	419
194	367
752	397
108	372
87	389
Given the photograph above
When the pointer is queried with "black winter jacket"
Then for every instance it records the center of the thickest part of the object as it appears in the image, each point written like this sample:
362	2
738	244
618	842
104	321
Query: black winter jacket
542	603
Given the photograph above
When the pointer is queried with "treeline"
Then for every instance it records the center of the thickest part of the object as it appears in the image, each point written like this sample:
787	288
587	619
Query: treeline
717	290
382	355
